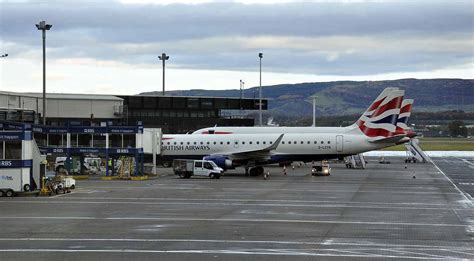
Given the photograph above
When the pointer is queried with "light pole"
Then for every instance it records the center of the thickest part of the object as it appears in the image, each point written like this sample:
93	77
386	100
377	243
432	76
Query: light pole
4	55
314	111
260	55
242	89
163	58
44	27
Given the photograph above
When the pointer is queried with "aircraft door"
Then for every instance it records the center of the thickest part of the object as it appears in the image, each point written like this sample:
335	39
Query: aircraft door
339	143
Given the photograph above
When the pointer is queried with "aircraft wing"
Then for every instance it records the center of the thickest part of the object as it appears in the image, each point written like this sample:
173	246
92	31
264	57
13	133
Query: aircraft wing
262	154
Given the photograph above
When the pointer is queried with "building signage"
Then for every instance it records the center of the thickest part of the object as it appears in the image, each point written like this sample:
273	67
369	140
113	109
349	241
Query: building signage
116	130
15	163
6	136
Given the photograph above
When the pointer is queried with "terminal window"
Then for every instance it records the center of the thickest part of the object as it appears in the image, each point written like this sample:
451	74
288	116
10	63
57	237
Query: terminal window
11	149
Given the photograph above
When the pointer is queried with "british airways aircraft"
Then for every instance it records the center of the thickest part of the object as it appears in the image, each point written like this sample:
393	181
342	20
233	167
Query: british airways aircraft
382	99
375	129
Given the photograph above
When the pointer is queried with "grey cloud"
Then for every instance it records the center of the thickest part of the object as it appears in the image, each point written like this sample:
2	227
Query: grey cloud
138	33
145	23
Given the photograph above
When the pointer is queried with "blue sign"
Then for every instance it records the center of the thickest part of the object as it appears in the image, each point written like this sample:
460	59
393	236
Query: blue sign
6	136
91	150
4	164
120	130
87	129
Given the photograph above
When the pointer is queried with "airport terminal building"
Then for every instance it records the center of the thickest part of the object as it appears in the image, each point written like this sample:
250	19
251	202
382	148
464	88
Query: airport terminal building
173	114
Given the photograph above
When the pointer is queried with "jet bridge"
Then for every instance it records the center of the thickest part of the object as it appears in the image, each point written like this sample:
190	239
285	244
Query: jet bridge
109	142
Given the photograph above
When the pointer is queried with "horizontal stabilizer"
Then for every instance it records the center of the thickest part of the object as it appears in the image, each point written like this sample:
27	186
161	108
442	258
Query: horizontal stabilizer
392	139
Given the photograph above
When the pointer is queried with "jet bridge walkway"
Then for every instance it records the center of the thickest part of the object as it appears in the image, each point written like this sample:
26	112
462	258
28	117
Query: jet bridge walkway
108	142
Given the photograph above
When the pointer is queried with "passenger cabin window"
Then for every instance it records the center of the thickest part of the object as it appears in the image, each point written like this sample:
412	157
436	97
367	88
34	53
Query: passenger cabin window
198	164
222	143
250	142
228	143
329	142
322	142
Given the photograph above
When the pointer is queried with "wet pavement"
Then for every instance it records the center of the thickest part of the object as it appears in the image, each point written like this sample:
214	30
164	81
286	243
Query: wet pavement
384	211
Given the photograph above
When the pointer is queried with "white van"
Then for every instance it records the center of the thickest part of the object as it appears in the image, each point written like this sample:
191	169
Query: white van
187	168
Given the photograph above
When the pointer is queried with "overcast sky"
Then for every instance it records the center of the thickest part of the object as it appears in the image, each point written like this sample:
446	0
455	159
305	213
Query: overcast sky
113	46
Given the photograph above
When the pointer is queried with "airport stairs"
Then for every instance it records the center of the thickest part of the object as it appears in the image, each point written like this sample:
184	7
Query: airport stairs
356	161
415	151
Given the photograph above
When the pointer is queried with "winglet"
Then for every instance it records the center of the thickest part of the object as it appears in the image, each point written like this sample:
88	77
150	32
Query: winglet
275	144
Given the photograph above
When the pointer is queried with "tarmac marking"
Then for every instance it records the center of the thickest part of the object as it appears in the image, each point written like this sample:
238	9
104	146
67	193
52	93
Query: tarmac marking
465	195
457	251
285	252
273	189
332	205
263	200
376	246
469	164
256	220
410	252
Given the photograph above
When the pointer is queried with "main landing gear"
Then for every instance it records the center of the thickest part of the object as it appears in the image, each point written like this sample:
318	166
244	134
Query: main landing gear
255	171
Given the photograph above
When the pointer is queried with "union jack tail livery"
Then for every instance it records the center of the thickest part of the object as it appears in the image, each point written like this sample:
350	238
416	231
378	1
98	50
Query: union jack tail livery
402	122
379	121
405	112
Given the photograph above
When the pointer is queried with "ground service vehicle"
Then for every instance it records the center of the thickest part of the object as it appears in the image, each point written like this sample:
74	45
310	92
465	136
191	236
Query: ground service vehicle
321	170
14	180
187	168
90	164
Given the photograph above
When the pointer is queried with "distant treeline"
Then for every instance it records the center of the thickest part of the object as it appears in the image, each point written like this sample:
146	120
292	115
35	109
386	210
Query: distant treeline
418	118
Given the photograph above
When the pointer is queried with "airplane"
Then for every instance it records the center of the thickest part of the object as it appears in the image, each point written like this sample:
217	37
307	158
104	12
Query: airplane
375	129
276	129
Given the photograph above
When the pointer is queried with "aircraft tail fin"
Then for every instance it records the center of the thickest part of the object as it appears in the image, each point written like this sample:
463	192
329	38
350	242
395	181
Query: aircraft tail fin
405	113
379	121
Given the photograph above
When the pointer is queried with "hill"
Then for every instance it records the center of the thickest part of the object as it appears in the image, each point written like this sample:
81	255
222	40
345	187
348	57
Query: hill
352	97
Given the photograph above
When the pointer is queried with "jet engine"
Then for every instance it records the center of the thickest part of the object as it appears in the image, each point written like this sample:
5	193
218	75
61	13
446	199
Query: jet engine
221	161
